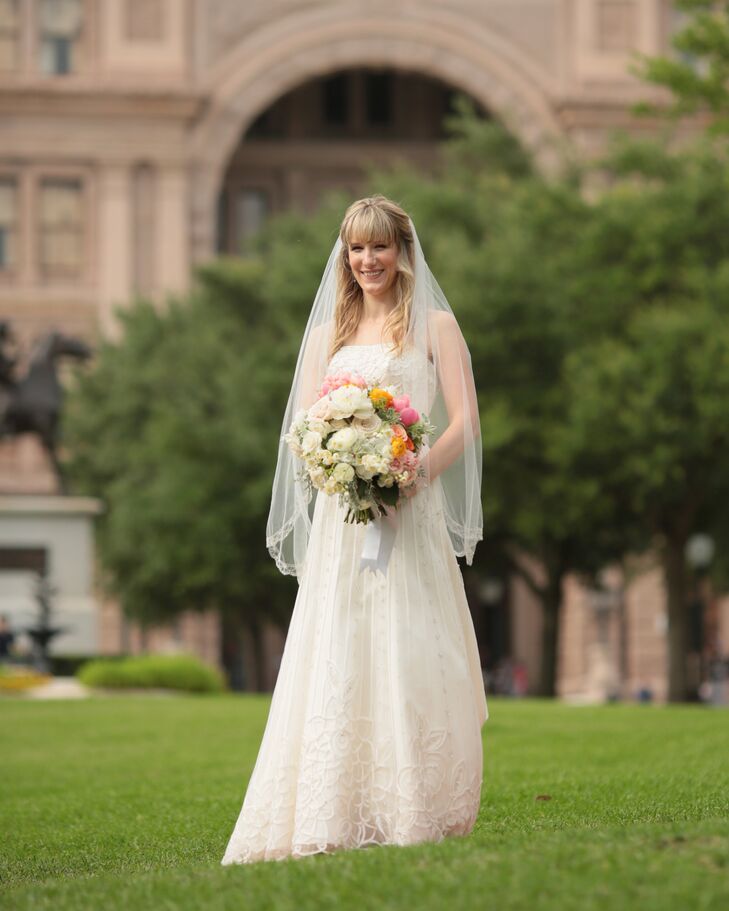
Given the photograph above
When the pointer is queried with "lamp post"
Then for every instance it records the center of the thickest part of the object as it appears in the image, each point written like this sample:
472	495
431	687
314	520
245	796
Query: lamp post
700	550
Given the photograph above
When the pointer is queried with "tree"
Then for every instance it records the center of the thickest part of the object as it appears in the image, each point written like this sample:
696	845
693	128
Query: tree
647	415
649	418
174	428
697	76
514	253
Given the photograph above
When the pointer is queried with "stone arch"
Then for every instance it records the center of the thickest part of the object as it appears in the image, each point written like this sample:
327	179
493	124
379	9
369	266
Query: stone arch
446	45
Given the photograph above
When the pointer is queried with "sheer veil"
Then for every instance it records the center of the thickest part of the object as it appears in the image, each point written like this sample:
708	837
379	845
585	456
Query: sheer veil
438	377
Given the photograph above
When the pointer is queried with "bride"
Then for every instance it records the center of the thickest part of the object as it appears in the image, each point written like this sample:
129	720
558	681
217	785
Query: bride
374	730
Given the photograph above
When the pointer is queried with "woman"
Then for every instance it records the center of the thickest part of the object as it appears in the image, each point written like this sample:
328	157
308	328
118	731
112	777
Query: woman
374	730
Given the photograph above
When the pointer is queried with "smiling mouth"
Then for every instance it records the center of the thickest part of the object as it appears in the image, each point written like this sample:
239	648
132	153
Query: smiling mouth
372	274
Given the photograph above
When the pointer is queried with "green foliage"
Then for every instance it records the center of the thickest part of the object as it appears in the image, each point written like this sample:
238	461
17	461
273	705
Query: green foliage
598	427
174	428
169	672
697	74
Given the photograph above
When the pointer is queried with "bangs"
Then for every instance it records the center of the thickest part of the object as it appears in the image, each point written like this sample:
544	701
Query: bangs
370	226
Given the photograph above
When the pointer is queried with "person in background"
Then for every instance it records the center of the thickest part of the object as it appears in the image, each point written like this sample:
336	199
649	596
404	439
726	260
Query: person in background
7	637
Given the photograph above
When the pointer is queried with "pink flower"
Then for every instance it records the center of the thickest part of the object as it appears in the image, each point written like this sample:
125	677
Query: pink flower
409	416
409	460
400	431
401	402
337	380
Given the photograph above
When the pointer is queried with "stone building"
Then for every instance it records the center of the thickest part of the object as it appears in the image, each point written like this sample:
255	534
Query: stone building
138	137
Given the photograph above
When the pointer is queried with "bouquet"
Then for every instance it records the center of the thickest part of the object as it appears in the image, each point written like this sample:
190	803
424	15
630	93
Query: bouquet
362	443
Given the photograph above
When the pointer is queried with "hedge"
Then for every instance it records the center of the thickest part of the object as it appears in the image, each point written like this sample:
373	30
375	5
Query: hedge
171	672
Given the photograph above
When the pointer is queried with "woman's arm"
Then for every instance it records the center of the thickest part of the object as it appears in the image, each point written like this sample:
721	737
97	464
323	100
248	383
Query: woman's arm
459	393
311	368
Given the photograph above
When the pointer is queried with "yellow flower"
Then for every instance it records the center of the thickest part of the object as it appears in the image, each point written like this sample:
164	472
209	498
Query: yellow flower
397	444
381	397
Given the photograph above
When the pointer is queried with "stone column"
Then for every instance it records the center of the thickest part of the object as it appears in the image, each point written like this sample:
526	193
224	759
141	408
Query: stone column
172	223
115	244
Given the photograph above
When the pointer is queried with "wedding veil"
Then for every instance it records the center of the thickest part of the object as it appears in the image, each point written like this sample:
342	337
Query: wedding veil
438	377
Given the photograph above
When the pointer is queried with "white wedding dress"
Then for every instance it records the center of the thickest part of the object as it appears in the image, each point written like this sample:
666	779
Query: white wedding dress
374	729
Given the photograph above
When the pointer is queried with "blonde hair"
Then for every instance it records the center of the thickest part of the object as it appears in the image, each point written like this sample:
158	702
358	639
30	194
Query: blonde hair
374	219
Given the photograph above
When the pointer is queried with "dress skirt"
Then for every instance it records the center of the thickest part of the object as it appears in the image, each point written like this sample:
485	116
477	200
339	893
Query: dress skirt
374	730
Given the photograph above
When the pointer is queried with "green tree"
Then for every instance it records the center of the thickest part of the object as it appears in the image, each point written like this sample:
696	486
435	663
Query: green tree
697	74
649	418
515	255
174	428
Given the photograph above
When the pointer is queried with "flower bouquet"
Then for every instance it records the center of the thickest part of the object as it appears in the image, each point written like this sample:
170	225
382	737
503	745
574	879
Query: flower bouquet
362	443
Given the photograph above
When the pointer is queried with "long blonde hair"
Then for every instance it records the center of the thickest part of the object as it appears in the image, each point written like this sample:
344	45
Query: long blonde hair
374	219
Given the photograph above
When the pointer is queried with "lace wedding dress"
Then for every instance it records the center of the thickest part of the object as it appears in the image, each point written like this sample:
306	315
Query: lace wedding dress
374	729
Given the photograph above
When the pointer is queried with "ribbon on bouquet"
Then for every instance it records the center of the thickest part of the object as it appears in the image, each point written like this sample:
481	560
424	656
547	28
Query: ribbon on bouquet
378	542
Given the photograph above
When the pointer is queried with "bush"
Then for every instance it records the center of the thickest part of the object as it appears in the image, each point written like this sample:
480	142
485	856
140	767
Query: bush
170	672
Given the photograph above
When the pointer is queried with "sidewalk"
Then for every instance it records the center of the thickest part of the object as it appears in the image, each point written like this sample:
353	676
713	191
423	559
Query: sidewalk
59	688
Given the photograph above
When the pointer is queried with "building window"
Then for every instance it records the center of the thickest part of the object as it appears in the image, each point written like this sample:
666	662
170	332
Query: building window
378	96
336	99
8	224
60	23
251	210
145	20
61	228
617	25
9	35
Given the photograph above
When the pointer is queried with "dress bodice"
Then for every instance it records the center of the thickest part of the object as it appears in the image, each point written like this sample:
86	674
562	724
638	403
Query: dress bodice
378	365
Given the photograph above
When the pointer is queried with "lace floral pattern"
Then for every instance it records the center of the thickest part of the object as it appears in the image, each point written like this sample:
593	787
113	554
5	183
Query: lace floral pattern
350	793
375	363
374	731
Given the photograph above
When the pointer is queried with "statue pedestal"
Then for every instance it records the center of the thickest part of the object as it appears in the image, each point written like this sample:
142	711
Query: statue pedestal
53	534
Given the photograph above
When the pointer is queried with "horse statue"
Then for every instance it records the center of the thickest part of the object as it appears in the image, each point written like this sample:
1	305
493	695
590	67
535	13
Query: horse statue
32	403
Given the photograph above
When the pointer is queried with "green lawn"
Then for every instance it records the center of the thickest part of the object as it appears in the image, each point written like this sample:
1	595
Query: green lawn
128	802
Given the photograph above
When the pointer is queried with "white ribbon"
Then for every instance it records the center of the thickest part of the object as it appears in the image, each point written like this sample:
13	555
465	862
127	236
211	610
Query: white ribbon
379	540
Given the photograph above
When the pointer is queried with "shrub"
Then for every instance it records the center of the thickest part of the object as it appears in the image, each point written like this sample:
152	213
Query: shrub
171	672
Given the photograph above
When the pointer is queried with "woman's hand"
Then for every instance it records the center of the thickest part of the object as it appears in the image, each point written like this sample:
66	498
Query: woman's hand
422	479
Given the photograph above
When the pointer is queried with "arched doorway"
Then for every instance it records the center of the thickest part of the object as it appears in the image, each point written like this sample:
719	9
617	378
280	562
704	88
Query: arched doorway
322	136
442	44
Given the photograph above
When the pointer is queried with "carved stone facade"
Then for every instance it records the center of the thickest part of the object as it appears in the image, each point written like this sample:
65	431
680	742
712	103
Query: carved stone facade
137	113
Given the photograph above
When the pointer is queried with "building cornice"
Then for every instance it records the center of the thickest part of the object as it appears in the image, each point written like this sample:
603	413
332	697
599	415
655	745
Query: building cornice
100	100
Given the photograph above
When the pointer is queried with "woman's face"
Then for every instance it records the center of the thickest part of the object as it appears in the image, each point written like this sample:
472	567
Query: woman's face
374	266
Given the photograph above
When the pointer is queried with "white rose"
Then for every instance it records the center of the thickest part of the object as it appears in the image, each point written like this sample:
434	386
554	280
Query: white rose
319	410
372	465
348	401
330	487
343	473
326	457
320	427
367	424
310	442
343	440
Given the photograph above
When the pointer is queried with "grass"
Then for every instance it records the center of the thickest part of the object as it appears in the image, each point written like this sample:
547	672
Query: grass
127	803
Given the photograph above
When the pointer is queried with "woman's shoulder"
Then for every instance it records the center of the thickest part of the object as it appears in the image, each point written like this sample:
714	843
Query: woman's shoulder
442	321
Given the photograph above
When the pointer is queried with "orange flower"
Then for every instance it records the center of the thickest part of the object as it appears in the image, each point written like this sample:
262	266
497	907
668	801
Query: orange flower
410	445
381	397
397	444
